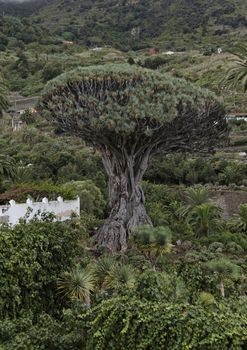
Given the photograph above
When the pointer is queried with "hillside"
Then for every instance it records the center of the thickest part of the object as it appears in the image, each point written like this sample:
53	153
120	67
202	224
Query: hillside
140	23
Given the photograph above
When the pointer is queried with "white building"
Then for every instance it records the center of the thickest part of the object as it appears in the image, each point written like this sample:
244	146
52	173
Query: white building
62	210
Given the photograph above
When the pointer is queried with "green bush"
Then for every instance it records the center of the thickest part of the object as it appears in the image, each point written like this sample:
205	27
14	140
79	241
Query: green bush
225	238
36	332
129	323
32	257
216	247
162	287
91	198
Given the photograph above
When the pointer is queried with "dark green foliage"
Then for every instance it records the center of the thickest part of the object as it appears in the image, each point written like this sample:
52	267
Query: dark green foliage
91	198
51	71
4	103
28	117
36	332
136	24
162	287
153	63
124	323
32	257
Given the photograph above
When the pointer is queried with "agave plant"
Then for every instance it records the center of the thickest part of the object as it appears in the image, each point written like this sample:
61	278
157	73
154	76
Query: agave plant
237	73
77	285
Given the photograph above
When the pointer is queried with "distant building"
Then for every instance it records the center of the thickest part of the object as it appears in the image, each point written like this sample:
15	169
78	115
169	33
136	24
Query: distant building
168	53
68	42
96	49
219	50
62	210
237	116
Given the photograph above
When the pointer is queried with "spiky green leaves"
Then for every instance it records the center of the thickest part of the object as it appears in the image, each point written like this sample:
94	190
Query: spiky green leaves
77	284
119	105
152	242
237	73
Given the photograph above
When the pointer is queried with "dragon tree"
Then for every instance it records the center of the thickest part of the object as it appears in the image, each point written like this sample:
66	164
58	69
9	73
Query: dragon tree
130	114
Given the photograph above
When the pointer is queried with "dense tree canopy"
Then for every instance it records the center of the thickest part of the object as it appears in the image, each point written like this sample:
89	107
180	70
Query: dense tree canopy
129	115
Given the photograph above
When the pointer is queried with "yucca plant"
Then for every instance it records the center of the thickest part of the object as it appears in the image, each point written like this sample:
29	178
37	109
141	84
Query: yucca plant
102	268
223	269
120	278
152	242
77	285
237	73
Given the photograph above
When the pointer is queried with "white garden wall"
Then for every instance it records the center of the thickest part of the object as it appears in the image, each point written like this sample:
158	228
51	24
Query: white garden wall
13	212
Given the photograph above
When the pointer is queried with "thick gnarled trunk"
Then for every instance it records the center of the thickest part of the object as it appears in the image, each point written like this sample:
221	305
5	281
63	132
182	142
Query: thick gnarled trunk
126	200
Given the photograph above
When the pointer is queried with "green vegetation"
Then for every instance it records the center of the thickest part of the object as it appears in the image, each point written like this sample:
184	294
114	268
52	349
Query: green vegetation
238	72
179	284
129	115
66	297
138	24
4	104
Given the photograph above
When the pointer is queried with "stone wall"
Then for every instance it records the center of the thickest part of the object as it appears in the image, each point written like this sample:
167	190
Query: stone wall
229	201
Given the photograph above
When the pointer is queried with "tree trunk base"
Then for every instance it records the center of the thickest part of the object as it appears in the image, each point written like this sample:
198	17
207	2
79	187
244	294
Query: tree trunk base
115	232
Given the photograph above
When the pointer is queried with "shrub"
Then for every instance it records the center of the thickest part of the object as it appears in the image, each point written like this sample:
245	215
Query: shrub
129	323
32	257
91	198
160	286
234	248
216	247
50	71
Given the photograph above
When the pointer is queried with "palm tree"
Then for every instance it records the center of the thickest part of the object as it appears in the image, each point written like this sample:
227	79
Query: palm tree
152	242
223	269
194	196
205	218
237	73
7	166
239	224
77	285
4	103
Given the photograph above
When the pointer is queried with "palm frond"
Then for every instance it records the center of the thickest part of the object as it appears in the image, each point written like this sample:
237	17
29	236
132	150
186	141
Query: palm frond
237	73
